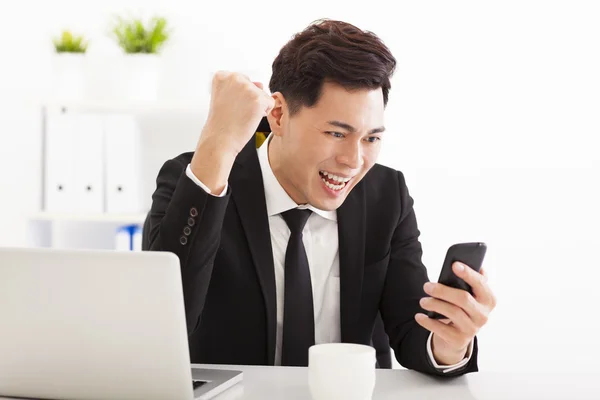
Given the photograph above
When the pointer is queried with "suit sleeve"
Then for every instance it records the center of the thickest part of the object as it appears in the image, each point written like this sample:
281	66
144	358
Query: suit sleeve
402	291
186	220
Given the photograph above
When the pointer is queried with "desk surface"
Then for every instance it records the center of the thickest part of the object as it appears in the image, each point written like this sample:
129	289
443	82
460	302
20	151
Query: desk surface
289	383
270	383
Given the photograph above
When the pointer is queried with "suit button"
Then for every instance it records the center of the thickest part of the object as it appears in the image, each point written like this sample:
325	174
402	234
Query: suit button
187	230
183	240
191	221
194	212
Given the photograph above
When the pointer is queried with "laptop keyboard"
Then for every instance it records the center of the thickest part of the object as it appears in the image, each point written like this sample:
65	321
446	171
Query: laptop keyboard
197	384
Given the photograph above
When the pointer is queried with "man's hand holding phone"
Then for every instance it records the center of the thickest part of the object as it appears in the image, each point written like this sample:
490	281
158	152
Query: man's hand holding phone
465	313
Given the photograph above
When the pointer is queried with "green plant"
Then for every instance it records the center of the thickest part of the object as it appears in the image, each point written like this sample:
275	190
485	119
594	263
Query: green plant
135	37
69	43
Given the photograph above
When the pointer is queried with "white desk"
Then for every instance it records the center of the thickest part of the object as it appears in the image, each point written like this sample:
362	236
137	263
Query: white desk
276	383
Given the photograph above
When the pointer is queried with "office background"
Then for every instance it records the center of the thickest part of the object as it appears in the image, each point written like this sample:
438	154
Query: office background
493	117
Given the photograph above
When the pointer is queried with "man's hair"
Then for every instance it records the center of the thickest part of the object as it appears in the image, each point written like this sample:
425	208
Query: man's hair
330	51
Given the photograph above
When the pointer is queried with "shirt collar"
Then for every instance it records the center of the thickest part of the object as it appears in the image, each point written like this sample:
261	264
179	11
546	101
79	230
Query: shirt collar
277	199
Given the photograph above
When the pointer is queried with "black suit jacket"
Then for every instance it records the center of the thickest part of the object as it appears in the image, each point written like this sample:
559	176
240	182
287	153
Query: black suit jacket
224	247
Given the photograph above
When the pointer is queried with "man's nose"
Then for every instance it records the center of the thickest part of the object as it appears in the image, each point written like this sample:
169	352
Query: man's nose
352	155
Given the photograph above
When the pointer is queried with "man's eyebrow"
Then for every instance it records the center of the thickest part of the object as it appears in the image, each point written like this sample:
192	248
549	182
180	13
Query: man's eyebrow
352	129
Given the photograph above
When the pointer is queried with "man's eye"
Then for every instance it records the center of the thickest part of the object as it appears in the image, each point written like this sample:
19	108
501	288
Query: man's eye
336	134
373	139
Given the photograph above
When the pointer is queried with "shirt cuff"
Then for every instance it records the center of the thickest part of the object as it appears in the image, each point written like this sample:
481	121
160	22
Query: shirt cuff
190	174
449	368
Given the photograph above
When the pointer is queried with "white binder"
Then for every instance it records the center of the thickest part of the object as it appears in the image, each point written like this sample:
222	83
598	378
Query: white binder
89	164
122	163
136	238
59	190
123	239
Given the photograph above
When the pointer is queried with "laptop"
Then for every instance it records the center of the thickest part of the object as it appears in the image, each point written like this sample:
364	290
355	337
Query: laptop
89	324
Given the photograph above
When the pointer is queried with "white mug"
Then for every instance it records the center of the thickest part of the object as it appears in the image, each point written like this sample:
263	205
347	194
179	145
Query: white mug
341	371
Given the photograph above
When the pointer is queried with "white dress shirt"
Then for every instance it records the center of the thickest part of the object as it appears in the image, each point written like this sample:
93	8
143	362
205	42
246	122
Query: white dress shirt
320	238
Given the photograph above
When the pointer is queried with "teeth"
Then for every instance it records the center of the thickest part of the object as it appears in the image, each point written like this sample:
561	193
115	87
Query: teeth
333	187
335	177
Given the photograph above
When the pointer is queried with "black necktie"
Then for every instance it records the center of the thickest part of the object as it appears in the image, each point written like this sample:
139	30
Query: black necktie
298	314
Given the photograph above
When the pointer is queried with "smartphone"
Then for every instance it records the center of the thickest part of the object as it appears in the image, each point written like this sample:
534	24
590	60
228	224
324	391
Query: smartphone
470	254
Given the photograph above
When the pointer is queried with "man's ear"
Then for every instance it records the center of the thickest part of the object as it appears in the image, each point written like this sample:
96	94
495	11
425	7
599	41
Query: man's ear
278	114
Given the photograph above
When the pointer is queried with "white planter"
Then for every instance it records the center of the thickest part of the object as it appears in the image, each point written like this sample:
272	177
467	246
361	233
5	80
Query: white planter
69	77
141	78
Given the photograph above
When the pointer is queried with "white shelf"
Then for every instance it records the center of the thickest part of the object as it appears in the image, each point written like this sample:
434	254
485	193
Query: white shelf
83	217
199	106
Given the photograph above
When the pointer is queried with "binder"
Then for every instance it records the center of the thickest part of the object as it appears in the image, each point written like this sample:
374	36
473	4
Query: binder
136	238
128	238
122	163
123	239
59	182
89	164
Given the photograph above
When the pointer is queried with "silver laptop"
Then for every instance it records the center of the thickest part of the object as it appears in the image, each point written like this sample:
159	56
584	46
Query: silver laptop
83	324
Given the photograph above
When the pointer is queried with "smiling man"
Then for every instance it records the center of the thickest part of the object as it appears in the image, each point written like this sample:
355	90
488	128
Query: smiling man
320	154
306	239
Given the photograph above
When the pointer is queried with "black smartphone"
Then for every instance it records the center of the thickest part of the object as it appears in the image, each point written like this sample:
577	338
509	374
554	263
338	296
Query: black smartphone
470	254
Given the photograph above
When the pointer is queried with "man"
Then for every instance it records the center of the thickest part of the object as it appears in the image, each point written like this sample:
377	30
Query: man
306	240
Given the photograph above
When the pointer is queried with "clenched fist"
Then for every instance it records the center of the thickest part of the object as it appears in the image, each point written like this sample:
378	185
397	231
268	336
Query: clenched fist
236	108
237	105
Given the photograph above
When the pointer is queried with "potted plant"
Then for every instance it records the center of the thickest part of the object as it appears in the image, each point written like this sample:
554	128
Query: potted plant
141	44
69	66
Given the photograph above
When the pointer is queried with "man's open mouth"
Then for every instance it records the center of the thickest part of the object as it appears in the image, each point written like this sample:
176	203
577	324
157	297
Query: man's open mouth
333	181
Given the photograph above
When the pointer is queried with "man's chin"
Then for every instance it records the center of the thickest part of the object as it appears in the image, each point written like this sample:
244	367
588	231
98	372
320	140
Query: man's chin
327	199
328	204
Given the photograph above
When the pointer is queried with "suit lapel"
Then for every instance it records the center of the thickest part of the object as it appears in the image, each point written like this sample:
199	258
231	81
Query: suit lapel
351	234
249	196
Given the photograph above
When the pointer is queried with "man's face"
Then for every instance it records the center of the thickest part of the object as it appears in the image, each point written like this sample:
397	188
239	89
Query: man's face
327	149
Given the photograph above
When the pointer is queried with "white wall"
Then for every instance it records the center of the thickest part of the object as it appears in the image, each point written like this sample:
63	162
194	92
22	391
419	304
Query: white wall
493	117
